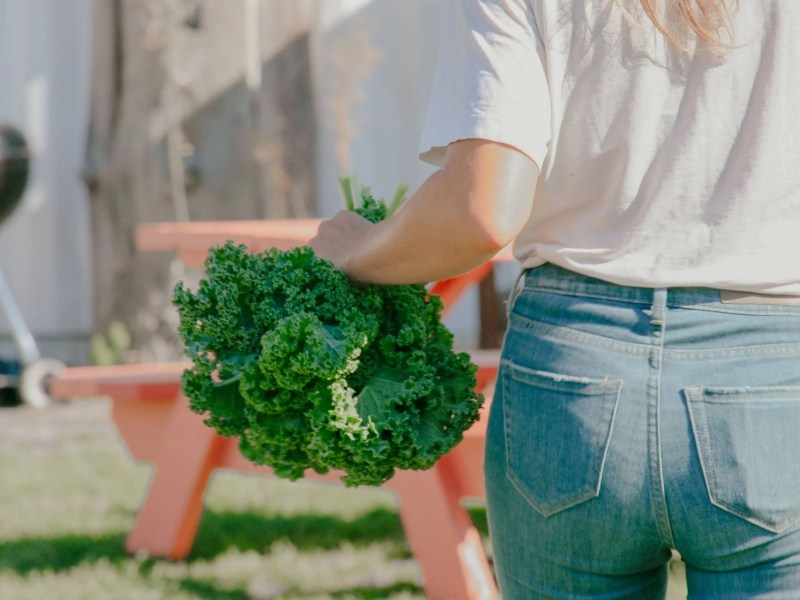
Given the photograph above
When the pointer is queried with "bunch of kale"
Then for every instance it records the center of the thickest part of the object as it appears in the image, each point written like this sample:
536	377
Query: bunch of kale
312	371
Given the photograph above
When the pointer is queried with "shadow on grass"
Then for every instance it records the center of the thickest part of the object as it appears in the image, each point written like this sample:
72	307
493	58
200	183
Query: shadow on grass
251	531
363	593
60	553
219	531
478	516
208	591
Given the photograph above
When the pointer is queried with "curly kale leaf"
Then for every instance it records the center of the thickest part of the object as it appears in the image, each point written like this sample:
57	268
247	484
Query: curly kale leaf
310	371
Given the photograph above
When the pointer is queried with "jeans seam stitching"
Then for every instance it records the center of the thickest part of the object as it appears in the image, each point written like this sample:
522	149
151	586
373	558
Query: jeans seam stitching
580	337
611	391
615	405
775	350
695	396
662	511
764	312
586	294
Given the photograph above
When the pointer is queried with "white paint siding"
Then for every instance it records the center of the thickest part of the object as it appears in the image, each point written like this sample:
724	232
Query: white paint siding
45	49
388	49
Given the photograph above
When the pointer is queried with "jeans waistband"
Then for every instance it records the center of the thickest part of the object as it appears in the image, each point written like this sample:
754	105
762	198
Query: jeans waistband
557	279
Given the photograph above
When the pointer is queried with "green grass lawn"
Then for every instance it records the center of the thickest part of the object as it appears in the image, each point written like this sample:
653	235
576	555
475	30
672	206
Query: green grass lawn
69	493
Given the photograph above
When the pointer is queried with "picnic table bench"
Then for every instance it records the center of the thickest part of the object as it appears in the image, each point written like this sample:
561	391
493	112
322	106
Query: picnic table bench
153	419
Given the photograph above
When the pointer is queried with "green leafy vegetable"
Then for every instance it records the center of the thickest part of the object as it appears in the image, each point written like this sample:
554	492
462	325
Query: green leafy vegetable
312	371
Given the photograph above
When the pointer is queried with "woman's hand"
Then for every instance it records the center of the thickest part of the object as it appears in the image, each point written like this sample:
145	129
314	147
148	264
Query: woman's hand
338	236
461	216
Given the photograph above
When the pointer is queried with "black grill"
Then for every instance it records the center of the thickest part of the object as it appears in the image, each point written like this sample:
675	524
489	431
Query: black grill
14	165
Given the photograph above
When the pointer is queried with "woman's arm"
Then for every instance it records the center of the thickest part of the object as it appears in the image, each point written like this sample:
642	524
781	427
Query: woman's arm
460	217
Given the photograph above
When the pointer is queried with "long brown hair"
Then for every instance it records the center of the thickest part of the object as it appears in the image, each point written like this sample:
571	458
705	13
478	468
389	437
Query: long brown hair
709	20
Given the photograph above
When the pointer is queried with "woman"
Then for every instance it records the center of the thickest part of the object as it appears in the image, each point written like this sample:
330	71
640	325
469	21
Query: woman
646	163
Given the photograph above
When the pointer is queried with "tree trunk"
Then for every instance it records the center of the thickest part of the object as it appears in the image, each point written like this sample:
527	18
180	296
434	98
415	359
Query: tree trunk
176	133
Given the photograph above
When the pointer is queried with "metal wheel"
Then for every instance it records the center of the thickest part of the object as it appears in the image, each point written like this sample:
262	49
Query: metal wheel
34	381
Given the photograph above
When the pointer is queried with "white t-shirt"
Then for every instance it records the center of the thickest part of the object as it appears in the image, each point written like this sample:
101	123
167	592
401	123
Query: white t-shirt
658	167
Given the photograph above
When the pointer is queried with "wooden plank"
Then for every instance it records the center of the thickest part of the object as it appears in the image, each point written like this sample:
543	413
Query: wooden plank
167	521
192	240
154	421
157	237
121	382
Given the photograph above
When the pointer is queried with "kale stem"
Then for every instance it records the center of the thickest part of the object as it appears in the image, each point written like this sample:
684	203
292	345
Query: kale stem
398	199
347	184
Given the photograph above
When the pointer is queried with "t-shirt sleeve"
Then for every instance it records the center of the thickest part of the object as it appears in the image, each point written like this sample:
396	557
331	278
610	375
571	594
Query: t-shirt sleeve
490	80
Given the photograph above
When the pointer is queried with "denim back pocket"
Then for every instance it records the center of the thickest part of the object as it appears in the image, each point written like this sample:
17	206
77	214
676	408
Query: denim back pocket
557	431
748	440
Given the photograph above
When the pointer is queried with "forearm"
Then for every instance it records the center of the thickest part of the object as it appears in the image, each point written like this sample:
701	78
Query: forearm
459	218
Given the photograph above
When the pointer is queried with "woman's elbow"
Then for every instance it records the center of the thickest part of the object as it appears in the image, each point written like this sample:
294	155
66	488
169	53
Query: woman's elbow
501	224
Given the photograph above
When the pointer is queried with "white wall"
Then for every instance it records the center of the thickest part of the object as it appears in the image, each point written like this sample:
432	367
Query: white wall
45	50
389	50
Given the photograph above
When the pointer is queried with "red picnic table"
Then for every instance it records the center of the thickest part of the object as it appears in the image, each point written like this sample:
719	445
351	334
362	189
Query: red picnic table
157	426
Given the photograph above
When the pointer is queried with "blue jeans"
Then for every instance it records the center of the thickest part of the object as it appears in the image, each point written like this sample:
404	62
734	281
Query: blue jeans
628	422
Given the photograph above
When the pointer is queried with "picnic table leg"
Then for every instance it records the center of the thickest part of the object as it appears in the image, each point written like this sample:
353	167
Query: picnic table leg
450	290
167	521
442	537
